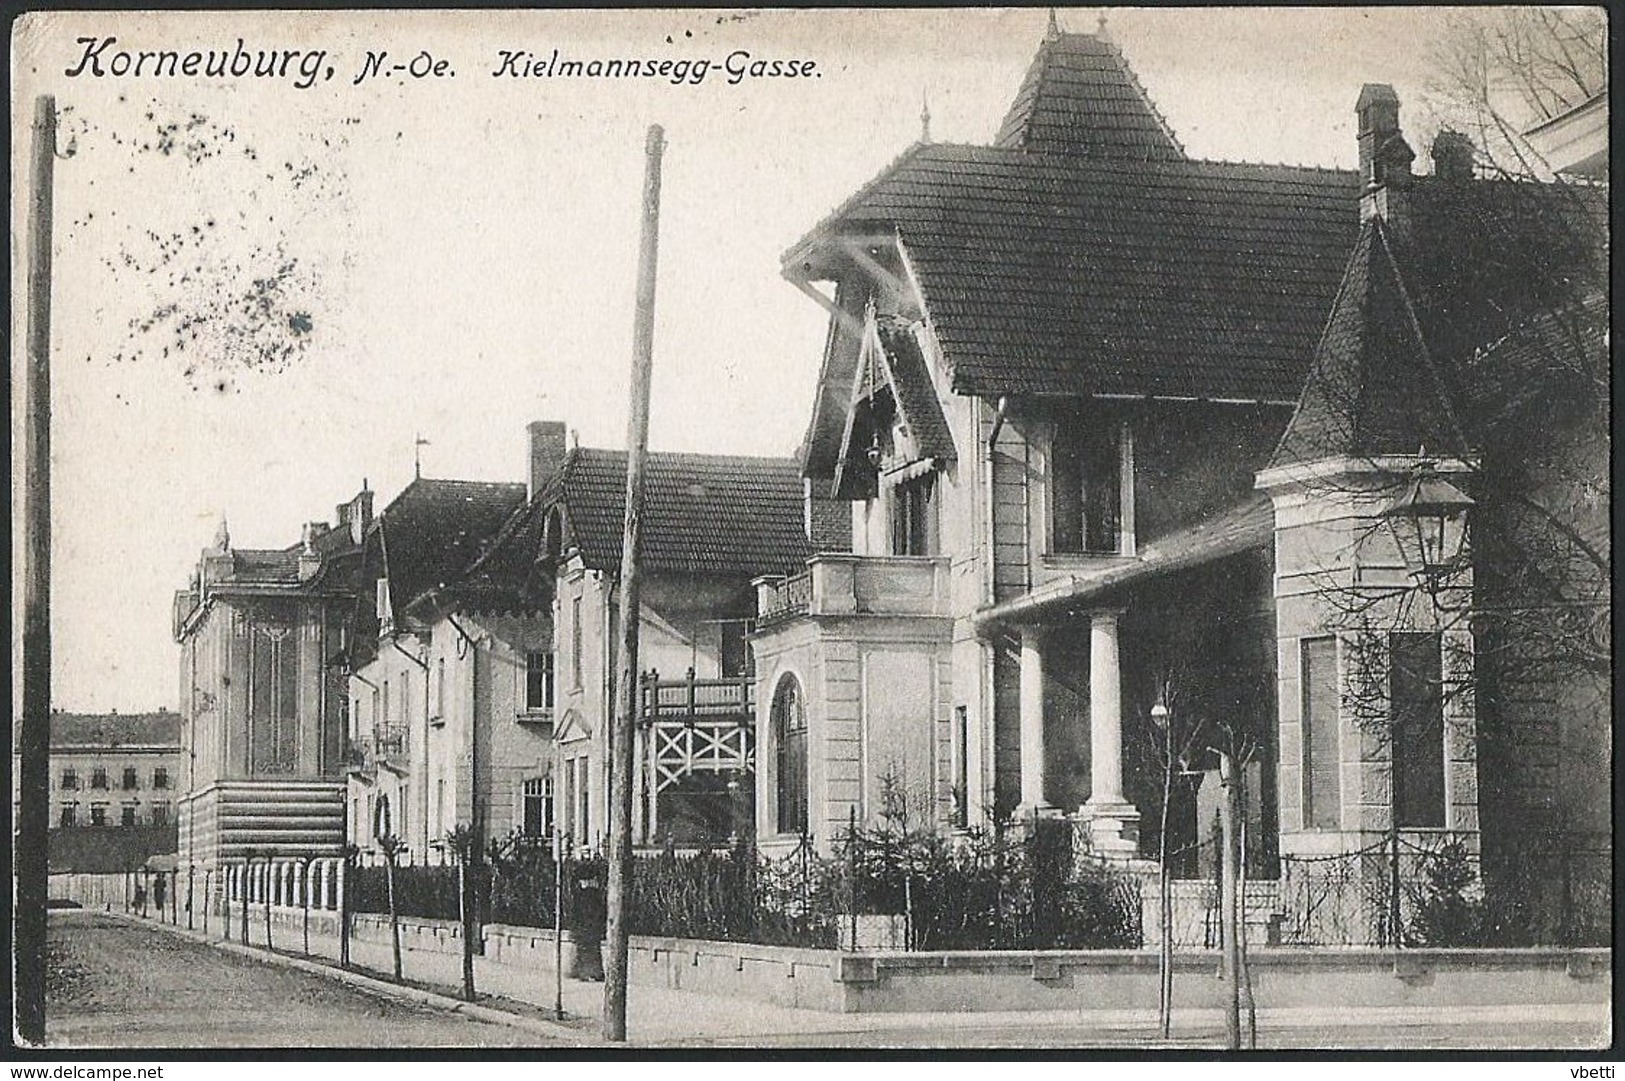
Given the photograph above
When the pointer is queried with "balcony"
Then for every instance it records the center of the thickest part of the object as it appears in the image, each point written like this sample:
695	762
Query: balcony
845	585
384	744
682	699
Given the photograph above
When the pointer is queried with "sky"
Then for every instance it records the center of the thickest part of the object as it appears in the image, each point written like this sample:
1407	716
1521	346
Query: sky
265	293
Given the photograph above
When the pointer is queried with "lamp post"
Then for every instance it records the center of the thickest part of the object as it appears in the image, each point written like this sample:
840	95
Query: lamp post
1430	519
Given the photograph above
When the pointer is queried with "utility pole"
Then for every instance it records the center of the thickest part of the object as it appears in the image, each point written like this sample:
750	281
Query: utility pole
625	725
1228	923
34	741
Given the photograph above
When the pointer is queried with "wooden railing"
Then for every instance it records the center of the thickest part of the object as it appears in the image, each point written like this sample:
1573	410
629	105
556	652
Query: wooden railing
691	697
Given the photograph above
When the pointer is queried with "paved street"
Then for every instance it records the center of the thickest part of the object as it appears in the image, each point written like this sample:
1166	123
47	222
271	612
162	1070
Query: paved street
121	982
115	983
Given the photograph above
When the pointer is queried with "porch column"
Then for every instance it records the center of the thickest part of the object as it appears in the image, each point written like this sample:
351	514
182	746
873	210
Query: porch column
1114	824
1032	722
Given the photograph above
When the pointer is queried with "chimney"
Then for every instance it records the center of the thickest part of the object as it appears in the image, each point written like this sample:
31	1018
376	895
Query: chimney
547	452
357	514
1452	155
309	560
1385	157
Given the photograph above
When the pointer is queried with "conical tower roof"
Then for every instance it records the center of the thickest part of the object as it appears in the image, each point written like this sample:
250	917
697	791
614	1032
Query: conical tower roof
1081	97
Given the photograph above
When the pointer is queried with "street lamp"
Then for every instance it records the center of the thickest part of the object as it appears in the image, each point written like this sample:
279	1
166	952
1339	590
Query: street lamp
1430	518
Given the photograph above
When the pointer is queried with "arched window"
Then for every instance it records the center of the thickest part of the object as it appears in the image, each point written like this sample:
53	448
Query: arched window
789	720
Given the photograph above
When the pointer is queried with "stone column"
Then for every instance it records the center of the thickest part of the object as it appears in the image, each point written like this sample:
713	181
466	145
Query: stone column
1032	722
1114	824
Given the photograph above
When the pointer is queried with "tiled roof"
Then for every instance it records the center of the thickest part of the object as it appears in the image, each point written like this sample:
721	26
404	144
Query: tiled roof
703	513
1057	274
434	529
115	729
1081	97
917	398
265	564
507	578
1460	266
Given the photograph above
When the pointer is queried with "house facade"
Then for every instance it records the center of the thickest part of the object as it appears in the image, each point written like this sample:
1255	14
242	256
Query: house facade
1123	435
433	675
263	709
712	524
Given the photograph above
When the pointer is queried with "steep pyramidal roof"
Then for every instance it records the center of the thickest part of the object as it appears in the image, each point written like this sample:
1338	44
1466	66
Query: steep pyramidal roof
1081	97
1462	265
1372	387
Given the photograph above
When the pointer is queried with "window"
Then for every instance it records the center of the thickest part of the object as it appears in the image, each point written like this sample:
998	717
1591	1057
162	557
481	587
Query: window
536	814
539	679
1091	478
575	643
98	814
789	720
70	780
160	778
736	659
98	778
70	816
127	815
1322	785
440	805
385	718
129	778
914	517
1417	721
160	814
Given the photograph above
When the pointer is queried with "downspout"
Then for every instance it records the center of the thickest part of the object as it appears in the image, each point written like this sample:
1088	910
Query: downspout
990	538
476	822
985	736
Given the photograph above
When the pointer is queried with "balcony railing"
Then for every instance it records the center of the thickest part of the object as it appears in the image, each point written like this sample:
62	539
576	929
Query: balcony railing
840	584
677	699
385	743
783	598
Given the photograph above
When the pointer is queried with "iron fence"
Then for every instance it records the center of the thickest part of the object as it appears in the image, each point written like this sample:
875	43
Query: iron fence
1418	891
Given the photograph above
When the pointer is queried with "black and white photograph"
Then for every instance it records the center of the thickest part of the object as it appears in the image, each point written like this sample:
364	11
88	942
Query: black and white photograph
781	531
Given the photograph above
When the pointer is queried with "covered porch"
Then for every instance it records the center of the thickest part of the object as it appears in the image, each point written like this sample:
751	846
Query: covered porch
1112	684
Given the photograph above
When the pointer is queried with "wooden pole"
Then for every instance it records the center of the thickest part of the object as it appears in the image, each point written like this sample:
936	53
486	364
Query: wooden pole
34	740
465	916
1227	900
621	738
558	916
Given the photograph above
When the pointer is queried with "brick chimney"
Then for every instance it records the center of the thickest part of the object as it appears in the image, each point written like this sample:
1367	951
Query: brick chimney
1385	156
547	452
1452	154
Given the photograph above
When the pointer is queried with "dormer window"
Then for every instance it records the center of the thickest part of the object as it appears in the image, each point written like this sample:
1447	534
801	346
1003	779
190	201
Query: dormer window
1092	486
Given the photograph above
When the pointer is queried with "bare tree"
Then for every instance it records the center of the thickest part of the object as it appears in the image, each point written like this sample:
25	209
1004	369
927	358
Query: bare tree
1500	70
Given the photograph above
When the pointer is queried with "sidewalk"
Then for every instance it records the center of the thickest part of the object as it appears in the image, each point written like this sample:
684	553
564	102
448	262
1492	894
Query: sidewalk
660	1016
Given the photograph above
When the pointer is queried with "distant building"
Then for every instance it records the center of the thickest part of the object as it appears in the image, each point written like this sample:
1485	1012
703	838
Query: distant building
436	666
115	779
263	704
